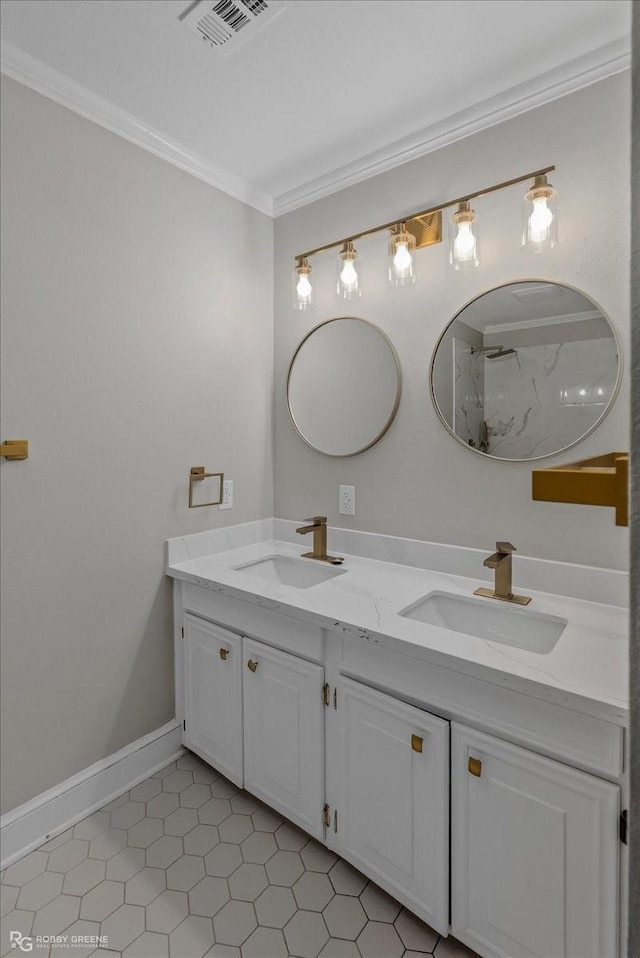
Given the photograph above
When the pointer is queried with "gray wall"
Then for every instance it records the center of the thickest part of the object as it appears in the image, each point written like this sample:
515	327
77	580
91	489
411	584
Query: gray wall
418	481
634	685
137	342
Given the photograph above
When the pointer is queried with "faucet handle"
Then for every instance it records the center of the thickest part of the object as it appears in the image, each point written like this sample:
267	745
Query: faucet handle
505	548
317	520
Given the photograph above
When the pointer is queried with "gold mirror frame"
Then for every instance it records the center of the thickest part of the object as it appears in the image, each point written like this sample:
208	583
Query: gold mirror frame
396	404
598	422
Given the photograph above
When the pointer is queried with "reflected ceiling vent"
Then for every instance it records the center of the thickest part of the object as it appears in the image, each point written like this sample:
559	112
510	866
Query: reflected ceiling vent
535	292
226	24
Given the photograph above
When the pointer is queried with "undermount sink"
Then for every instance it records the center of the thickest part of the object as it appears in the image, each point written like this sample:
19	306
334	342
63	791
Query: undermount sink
490	620
299	573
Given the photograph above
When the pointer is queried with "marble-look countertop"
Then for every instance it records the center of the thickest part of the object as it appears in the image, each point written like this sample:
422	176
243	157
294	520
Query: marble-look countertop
587	669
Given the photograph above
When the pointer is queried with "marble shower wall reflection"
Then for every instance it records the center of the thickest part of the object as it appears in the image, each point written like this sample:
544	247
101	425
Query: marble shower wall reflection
528	406
525	370
469	395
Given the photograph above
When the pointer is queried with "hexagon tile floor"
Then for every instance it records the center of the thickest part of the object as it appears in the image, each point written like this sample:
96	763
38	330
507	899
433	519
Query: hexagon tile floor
184	866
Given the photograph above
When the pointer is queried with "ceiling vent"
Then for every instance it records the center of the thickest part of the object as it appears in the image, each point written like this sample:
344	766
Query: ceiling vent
225	24
535	292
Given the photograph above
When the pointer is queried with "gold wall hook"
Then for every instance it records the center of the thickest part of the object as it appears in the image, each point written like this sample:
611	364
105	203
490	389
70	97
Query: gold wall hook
197	474
15	449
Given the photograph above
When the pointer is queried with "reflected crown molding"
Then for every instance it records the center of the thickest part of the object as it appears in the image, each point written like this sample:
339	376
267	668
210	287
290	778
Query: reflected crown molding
544	321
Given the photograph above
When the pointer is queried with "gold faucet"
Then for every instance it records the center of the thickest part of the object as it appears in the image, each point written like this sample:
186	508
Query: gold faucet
319	528
502	563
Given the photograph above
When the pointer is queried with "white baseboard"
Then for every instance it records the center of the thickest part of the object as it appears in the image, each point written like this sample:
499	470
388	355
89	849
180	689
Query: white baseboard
52	812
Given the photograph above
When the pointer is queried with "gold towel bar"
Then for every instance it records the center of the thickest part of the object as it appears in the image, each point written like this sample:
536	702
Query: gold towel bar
197	474
600	481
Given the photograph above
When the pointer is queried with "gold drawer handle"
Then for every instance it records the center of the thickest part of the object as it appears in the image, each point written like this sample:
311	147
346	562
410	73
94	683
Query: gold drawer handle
416	743
223	654
251	665
475	767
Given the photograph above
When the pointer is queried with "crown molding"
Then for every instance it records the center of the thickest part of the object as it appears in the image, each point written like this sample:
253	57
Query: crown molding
604	62
24	68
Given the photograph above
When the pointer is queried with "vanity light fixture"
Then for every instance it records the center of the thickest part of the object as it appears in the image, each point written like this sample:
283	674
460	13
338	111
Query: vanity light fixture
348	282
402	258
539	222
303	297
463	242
414	232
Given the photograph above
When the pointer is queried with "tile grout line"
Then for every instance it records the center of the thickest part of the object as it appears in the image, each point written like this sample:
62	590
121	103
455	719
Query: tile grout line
188	786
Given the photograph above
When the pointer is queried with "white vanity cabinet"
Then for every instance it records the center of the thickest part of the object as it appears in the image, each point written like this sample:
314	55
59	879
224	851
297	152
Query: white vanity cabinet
534	853
252	710
284	733
213	696
392	793
487	811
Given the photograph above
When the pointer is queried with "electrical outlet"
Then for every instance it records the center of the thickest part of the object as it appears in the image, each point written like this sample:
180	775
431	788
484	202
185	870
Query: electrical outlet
227	495
347	501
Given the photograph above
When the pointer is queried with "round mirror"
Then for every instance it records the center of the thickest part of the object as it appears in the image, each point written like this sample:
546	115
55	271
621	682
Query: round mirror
525	370
344	386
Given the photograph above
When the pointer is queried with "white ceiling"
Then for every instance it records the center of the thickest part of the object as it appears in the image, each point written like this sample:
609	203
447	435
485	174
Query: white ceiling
325	94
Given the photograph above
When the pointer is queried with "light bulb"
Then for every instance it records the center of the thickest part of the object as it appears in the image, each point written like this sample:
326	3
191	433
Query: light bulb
348	284
303	297
303	289
465	241
540	220
348	275
402	261
402	258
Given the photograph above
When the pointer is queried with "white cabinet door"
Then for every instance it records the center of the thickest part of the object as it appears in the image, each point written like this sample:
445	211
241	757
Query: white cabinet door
284	733
393	797
534	853
213	696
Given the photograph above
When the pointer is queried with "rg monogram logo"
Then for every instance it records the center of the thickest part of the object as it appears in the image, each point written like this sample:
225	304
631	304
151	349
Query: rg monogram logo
18	940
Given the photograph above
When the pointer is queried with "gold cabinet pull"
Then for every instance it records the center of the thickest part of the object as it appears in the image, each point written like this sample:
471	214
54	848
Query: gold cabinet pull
475	767
416	743
223	654
251	665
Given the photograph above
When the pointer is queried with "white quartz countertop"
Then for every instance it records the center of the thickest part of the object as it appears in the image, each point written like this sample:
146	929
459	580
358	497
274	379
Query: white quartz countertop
587	669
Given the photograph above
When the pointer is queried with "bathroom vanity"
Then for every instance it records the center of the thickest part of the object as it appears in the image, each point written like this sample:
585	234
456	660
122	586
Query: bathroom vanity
465	755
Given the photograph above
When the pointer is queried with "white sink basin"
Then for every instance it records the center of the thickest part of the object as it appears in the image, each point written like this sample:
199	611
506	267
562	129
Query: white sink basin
299	573
489	619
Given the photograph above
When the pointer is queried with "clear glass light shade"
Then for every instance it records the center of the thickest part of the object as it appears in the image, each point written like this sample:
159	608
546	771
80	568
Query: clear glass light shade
464	248
348	273
303	295
539	217
402	258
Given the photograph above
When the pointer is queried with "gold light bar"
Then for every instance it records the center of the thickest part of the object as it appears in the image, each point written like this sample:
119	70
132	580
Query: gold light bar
426	225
